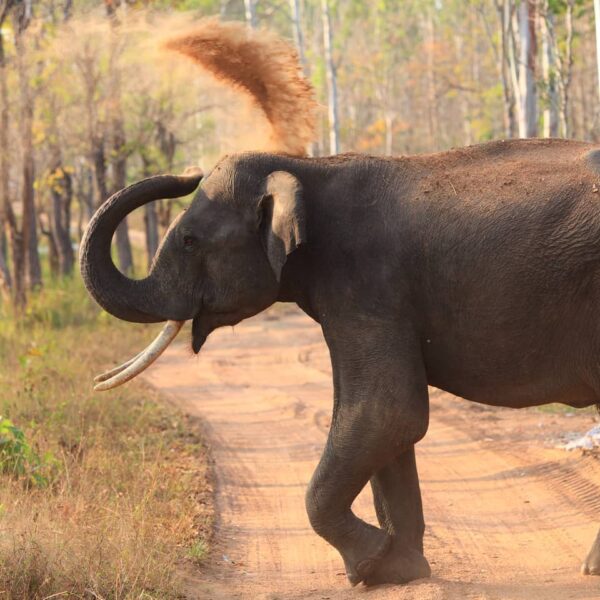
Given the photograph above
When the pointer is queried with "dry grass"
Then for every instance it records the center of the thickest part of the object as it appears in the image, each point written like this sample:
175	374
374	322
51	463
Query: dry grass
263	66
121	496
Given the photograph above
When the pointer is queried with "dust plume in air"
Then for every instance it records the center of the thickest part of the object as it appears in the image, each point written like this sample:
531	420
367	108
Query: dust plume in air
264	67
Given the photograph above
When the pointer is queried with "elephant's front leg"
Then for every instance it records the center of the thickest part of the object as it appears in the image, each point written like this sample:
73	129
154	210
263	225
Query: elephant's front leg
380	412
399	510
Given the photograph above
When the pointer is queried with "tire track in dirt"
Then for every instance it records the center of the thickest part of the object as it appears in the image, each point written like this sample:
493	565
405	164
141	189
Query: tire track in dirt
507	518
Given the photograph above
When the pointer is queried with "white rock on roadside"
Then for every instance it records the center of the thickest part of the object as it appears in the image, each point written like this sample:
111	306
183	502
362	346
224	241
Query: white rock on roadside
588	441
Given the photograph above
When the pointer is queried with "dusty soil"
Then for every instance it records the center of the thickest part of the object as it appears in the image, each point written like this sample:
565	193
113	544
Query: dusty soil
508	515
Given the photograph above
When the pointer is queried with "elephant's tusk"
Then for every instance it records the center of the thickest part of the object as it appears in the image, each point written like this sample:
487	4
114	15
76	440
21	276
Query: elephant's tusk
116	370
133	367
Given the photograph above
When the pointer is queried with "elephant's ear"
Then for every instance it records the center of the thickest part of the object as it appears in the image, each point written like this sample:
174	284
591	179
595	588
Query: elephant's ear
281	218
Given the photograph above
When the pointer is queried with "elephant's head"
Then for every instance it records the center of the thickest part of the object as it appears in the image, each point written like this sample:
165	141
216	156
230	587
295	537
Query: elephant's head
220	261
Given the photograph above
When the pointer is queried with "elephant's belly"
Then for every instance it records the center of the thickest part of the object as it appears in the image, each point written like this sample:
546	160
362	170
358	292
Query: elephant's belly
516	384
514	396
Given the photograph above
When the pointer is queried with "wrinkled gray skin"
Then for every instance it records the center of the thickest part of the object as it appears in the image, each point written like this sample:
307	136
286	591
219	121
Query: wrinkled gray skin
476	271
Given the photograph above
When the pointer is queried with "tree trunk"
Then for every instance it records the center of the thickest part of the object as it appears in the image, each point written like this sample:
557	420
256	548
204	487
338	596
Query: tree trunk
564	65
5	277
528	113
504	10
167	143
33	269
250	12
566	71
513	66
14	235
99	162
432	103
119	168
300	47
150	217
597	19
61	197
332	103
464	99
298	34
52	249
389	133
60	217
119	157
67	10
84	186
151	225
549	74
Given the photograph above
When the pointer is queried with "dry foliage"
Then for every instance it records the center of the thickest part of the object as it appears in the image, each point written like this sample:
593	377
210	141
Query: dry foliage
127	499
263	66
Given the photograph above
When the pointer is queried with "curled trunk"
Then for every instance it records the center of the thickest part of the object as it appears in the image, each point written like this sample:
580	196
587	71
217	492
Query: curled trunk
143	301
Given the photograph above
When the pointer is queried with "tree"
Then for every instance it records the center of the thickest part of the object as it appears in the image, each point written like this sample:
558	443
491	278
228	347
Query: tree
527	82
597	21
332	92
506	56
22	15
549	74
563	60
7	221
117	135
298	33
250	12
23	239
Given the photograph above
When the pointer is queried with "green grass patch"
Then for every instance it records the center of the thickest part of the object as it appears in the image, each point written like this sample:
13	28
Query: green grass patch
198	551
562	409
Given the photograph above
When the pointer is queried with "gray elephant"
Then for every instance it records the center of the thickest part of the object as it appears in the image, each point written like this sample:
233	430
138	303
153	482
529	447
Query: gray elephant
475	270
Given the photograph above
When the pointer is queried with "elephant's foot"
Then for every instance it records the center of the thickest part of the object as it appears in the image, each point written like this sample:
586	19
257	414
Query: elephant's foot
591	566
399	565
362	558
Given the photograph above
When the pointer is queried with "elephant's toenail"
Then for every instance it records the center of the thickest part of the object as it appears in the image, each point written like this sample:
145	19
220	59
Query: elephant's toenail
365	567
587	570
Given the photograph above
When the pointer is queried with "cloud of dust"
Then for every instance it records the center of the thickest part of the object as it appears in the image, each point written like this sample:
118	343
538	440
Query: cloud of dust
251	80
263	66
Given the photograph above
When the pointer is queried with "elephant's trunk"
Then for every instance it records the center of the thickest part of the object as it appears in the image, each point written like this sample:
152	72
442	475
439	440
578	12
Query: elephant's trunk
125	298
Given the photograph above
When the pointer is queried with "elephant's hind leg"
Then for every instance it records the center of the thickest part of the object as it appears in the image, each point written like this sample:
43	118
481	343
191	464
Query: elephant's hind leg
400	512
591	566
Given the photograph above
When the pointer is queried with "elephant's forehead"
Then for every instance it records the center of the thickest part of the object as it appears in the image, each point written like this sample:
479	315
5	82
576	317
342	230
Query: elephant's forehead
206	212
235	178
217	183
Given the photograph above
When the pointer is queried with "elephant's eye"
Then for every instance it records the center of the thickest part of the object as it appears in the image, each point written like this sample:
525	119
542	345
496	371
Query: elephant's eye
188	241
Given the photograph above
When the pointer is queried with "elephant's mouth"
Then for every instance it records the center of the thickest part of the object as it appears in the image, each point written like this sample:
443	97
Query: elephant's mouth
200	331
204	324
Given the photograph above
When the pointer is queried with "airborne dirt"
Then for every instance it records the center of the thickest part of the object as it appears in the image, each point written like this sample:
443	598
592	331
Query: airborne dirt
508	516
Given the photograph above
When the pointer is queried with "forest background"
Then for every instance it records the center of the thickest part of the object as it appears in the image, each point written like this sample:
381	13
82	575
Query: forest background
90	103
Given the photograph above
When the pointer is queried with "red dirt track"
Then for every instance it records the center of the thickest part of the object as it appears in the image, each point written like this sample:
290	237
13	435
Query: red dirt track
508	516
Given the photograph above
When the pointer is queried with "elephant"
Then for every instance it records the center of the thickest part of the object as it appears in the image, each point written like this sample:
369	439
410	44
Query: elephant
475	270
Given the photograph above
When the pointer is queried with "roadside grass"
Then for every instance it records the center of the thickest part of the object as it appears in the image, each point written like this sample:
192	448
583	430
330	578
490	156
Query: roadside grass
563	409
102	495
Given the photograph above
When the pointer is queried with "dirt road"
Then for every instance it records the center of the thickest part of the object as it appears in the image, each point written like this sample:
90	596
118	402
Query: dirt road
508	516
